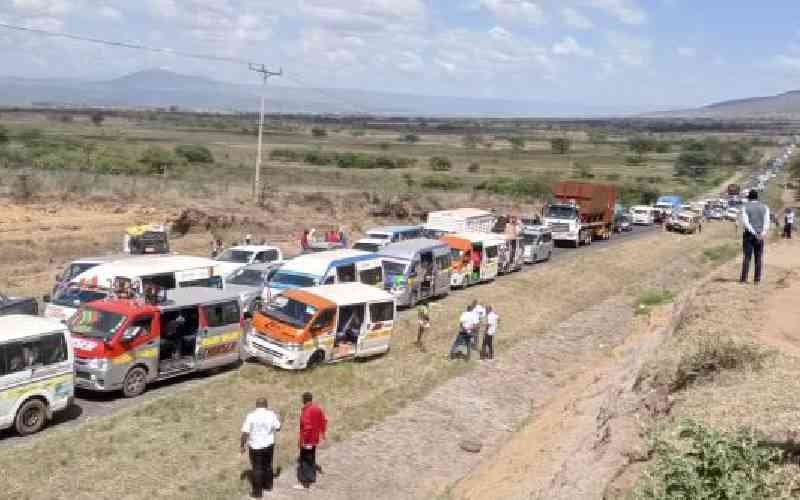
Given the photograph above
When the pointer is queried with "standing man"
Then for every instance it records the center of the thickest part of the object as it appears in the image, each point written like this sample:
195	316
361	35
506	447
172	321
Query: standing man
480	314
424	320
788	221
755	219
313	428
258	434
487	349
465	328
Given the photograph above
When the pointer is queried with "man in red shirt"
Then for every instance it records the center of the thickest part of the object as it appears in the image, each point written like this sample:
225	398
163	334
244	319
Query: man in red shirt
313	426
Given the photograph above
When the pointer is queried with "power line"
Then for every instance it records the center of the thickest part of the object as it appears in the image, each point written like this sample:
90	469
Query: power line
136	46
180	53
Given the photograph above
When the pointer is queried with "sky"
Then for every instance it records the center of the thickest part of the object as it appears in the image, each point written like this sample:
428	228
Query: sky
630	54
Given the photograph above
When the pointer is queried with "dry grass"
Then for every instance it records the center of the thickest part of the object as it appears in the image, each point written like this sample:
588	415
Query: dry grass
190	436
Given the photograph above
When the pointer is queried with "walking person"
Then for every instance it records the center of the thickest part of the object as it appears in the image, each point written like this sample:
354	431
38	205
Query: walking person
788	222
313	429
487	349
480	314
466	325
258	435
424	320
755	221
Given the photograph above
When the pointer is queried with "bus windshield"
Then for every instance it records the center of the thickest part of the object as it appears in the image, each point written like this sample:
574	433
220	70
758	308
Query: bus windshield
95	323
292	280
72	297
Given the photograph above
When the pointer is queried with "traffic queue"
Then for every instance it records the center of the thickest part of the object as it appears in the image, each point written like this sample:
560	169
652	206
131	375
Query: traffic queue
118	323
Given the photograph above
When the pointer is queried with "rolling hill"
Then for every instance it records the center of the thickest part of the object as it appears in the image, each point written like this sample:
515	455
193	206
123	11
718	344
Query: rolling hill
161	88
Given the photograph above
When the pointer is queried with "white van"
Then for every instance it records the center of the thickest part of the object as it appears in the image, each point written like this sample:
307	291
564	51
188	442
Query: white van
166	272
239	256
36	371
643	215
327	268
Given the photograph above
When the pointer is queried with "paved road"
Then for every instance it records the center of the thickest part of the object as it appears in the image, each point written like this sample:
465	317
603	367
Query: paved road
91	405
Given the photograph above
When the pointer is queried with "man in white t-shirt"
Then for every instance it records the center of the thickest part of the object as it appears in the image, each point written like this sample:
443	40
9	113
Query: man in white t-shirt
258	434
487	349
466	327
480	315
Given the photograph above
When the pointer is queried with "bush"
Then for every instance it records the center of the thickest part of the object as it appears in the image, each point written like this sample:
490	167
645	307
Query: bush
4	135
440	164
613	177
441	182
30	136
560	145
195	153
319	132
663	147
285	155
711	355
583	170
98	118
384	146
635	160
708	464
474	168
410	138
650	297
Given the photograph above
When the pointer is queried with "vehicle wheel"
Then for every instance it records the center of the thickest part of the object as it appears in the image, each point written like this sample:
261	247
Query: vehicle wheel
31	417
135	382
315	361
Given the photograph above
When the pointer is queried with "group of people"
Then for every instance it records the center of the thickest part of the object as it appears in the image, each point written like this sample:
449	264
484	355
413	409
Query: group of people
332	236
258	438
476	319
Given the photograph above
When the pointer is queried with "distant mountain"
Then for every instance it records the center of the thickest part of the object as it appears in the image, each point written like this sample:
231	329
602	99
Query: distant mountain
161	88
786	105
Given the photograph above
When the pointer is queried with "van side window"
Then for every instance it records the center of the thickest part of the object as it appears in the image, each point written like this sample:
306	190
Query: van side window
53	349
381	311
443	261
371	276
491	252
226	313
12	358
347	273
267	256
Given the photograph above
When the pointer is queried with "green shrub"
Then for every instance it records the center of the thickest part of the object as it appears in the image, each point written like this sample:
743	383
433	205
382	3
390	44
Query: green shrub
708	464
285	155
441	182
474	168
319	132
516	186
440	164
30	136
410	138
650	297
613	177
195	153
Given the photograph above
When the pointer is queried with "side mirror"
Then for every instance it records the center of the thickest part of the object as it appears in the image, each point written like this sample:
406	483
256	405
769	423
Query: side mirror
248	315
46	299
58	277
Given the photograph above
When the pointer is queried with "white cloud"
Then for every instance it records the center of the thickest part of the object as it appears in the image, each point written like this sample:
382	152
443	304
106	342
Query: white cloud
787	62
110	13
630	50
41	7
575	19
515	11
686	51
570	47
626	11
360	15
163	8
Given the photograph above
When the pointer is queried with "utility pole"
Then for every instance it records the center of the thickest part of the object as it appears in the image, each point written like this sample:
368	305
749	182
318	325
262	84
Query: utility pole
265	74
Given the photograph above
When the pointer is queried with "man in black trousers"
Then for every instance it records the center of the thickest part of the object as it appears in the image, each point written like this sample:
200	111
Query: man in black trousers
258	435
755	220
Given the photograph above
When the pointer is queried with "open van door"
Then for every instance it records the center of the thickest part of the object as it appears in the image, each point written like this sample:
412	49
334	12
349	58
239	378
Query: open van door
220	336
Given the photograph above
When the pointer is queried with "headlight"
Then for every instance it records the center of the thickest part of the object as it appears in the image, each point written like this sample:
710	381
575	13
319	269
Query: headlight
293	347
99	364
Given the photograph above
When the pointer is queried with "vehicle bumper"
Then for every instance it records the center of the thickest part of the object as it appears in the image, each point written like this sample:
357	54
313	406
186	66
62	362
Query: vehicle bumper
457	279
275	355
402	297
571	236
94	380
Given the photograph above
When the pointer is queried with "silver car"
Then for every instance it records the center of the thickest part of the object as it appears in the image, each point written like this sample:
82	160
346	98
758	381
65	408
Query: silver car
249	282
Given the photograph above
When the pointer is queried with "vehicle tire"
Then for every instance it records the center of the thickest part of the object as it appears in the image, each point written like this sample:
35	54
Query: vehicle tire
315	360
31	417
135	382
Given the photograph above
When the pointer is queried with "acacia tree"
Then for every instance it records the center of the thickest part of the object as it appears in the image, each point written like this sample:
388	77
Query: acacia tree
471	141
158	160
517	143
641	145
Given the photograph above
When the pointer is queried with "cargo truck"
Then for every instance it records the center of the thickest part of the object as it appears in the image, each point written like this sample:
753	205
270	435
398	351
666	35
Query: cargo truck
581	212
460	220
669	204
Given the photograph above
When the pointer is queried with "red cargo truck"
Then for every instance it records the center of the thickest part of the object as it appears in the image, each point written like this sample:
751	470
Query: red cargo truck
581	212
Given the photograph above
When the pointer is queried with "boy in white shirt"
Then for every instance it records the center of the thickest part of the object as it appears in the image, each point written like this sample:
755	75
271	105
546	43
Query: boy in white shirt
487	349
